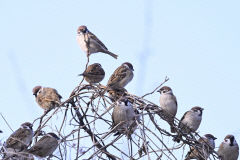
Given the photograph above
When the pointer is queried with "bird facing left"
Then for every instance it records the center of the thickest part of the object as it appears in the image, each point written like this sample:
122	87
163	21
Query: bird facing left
47	98
21	138
90	44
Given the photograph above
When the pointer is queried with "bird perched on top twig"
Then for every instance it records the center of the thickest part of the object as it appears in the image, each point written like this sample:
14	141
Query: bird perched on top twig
90	44
47	98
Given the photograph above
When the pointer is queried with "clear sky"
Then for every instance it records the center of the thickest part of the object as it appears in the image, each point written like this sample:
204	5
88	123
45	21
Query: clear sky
195	43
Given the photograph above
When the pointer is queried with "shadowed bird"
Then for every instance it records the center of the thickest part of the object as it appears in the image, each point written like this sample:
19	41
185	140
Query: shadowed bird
45	146
21	156
205	148
228	149
117	94
94	73
168	103
124	117
90	44
21	138
190	121
47	98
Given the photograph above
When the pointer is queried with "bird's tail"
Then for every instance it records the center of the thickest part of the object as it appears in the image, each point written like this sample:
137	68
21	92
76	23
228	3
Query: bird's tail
111	54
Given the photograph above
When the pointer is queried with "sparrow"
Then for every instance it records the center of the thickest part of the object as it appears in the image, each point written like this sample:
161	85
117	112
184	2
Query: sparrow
20	156
90	44
121	76
168	103
228	149
114	95
47	98
94	73
190	121
45	146
124	117
21	138
205	148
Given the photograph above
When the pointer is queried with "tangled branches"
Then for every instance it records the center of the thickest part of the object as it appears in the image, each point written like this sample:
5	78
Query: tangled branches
83	123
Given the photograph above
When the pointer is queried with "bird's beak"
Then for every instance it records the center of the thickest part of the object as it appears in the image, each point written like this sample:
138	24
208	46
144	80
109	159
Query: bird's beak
159	91
202	109
80	74
214	138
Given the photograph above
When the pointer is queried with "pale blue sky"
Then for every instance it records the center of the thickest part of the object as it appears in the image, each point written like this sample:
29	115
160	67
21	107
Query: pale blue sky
195	43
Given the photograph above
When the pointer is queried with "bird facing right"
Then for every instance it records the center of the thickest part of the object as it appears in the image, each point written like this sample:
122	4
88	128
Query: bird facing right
45	146
168	103
206	147
47	98
190	121
94	73
121	76
228	149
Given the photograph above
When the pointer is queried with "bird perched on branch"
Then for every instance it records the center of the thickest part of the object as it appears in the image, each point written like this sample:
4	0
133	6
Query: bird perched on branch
21	138
168	103
47	98
205	148
190	121
117	94
90	44
121	76
125	117
228	149
94	73
45	146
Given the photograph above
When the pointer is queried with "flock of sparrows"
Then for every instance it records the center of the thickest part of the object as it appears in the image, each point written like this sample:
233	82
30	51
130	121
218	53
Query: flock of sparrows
125	118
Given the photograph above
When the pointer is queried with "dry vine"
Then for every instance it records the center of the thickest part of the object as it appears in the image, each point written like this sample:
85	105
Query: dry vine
84	124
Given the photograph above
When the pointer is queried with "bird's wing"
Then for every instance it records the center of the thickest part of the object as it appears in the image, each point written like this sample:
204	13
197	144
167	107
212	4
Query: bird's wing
113	123
91	35
184	116
175	99
39	144
59	96
180	123
118	75
51	94
16	137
